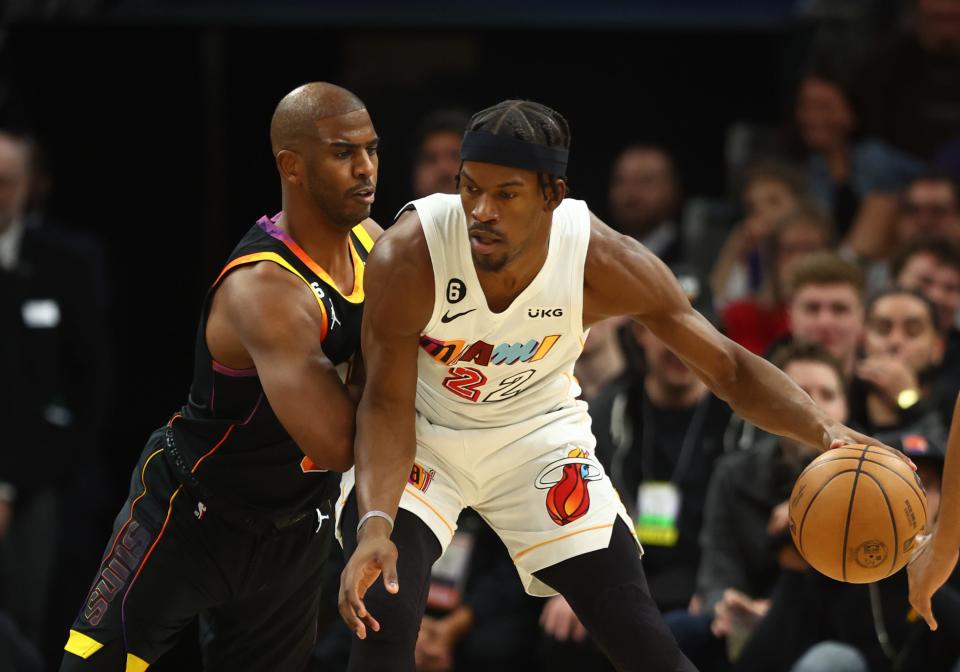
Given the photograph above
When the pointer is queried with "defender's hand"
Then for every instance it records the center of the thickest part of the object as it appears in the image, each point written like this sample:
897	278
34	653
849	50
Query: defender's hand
375	554
928	570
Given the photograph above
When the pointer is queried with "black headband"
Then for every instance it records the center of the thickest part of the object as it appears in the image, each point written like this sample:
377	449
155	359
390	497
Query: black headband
489	148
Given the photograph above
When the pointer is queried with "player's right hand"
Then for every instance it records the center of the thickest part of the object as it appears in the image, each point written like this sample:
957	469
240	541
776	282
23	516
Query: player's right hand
374	555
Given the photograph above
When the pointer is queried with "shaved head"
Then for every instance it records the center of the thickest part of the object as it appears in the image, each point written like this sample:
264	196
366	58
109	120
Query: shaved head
294	120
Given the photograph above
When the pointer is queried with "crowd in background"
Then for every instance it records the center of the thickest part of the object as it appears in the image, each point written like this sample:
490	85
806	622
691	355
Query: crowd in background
836	255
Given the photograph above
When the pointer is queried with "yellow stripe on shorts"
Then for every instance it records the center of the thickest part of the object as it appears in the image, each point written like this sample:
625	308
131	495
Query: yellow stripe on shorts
136	664
81	645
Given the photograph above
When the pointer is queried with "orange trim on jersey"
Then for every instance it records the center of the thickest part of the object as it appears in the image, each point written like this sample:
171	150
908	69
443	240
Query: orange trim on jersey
245	259
212	450
355	296
152	546
560	538
280	261
429	506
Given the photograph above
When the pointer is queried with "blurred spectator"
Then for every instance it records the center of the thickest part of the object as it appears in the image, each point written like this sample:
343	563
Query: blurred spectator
644	200
659	431
931	265
908	92
437	154
892	391
816	624
602	360
758	321
744	533
929	205
854	178
826	306
771	191
54	358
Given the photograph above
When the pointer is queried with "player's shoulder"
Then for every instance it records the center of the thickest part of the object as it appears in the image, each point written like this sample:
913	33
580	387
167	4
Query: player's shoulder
402	252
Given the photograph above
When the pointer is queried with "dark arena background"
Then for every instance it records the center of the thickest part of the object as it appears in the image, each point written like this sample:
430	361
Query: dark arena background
150	122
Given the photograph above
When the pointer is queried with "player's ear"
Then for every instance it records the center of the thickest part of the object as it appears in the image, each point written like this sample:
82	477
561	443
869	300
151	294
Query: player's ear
556	191
290	166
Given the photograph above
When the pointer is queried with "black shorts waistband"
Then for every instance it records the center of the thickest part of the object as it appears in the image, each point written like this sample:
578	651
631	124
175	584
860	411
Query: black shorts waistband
228	508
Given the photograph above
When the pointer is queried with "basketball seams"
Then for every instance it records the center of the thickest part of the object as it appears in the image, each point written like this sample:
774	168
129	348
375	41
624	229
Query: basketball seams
869	521
813	499
893	519
912	486
846	523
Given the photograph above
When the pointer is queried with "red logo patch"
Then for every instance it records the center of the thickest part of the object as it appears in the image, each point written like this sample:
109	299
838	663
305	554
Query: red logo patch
565	481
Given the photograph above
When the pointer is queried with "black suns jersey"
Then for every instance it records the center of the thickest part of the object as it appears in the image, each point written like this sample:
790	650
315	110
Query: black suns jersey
227	438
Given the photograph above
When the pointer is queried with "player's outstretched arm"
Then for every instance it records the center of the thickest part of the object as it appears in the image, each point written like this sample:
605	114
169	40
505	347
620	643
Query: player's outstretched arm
624	278
277	321
933	562
399	300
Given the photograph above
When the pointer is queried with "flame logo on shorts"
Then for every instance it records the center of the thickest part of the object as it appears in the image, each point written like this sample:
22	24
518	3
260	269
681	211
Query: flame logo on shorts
566	484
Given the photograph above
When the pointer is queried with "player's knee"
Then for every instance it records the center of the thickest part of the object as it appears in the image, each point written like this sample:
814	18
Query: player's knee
399	618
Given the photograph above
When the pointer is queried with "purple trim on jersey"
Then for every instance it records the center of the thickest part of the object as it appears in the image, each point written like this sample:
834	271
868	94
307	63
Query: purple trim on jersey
256	406
234	373
269	226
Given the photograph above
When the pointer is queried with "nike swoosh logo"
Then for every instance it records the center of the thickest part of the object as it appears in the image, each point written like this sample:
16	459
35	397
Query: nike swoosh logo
447	317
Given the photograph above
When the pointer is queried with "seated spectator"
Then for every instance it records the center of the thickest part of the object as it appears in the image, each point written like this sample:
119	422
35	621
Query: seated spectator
659	431
437	154
931	265
817	624
602	360
908	92
929	205
853	178
771	191
741	541
757	322
826	305
892	390
644	200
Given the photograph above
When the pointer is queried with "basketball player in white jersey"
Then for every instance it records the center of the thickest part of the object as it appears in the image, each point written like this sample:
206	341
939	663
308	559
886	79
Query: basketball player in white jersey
477	307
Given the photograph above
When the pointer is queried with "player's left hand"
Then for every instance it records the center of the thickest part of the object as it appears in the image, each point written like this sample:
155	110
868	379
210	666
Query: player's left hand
928	570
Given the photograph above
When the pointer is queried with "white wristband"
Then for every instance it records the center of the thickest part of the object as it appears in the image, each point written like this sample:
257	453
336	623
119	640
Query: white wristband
374	514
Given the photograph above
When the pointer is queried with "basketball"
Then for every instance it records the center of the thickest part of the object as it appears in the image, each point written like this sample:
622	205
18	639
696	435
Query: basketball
855	513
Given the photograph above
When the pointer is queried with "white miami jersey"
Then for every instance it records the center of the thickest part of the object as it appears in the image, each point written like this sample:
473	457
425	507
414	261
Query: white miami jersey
478	368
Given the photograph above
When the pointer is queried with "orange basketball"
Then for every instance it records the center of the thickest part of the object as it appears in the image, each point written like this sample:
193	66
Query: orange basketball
855	513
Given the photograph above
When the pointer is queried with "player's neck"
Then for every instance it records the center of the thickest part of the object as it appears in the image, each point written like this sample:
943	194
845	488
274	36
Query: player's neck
323	241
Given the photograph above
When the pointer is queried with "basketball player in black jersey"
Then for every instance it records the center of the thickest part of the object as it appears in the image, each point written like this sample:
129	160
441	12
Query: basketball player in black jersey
230	509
